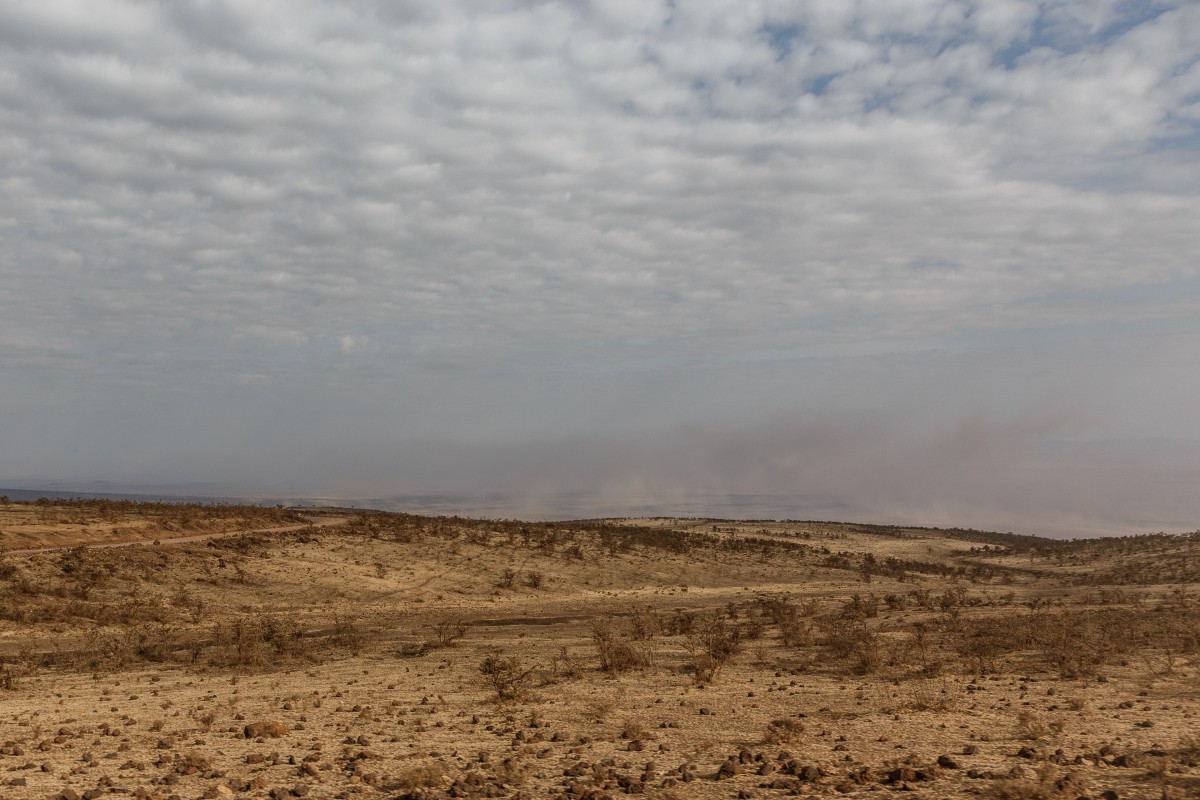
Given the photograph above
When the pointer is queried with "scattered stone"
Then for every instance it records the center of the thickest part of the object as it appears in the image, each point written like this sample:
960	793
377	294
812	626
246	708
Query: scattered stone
265	730
728	769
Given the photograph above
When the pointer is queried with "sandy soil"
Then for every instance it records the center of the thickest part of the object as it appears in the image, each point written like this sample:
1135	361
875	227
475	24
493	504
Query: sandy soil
138	671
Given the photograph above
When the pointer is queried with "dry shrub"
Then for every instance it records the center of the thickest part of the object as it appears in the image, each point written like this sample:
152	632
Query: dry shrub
795	629
618	647
1189	745
1044	784
205	716
9	681
564	666
283	635
852	640
449	629
159	644
1076	645
928	695
783	731
599	710
107	651
426	776
643	623
1032	727
712	643
240	643
919	650
632	729
506	675
512	771
348	633
859	607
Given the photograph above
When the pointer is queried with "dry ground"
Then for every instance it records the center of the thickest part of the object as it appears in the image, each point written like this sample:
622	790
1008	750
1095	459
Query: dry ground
402	656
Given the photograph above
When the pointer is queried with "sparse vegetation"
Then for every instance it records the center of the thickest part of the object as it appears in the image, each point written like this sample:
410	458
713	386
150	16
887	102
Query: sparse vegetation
776	658
507	676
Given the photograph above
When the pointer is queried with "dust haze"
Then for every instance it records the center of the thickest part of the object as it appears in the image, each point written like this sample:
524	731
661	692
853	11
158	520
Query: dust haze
1023	474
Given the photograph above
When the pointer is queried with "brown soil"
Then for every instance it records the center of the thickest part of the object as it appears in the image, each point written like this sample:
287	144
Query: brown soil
399	656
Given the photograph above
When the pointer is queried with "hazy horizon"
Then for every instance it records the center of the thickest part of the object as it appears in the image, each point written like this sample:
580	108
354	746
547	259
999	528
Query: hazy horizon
930	263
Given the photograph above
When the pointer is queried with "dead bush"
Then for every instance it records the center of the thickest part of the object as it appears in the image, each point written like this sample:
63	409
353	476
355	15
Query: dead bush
348	633
240	643
632	729
617	647
507	676
107	651
1076	645
1031	727
9	678
712	643
927	695
564	666
859	607
794	628
783	731
159	644
449	630
853	641
283	635
643	624
1042	784
414	779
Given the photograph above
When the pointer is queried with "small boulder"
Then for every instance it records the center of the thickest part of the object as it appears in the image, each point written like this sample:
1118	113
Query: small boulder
265	730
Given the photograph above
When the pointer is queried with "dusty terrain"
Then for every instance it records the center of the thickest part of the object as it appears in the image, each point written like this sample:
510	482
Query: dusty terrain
398	656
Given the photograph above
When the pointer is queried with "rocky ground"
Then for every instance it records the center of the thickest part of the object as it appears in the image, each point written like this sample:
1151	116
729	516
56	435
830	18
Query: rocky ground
399	656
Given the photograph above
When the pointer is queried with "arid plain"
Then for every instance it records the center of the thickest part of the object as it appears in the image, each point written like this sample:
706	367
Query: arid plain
230	651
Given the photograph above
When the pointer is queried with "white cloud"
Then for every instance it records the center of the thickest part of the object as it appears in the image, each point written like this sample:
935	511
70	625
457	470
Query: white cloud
514	185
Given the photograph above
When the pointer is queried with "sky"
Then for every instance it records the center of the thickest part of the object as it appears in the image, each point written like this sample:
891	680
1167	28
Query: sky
931	261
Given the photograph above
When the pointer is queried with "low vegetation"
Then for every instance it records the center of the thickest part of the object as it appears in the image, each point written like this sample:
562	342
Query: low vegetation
272	652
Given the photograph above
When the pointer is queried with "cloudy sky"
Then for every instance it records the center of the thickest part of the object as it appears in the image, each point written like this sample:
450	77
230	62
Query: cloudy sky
931	260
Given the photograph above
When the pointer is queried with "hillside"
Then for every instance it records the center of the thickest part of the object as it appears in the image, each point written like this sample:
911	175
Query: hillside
327	653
